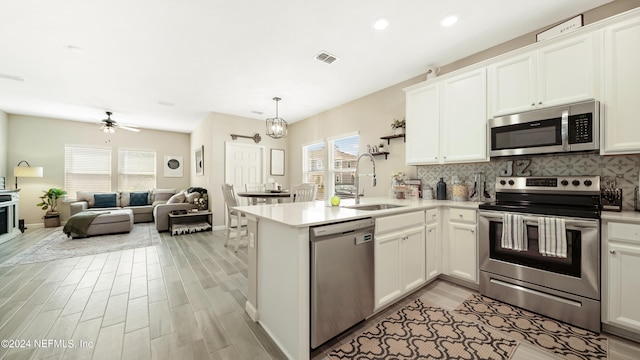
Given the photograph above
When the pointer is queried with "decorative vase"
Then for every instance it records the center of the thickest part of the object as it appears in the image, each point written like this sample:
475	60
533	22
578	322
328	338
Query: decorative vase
398	131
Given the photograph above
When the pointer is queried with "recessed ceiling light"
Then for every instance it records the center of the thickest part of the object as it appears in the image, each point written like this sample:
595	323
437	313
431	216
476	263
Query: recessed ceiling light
449	20
381	24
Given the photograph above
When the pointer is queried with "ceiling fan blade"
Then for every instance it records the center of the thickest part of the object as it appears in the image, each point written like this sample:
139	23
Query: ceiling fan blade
130	128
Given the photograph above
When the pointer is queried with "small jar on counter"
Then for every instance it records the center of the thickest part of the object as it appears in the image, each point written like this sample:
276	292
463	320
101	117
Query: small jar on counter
459	191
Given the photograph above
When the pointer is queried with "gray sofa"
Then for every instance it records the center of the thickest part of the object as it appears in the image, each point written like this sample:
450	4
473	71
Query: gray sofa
158	204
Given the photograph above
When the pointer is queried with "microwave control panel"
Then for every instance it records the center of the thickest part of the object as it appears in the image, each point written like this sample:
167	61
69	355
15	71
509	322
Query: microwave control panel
580	128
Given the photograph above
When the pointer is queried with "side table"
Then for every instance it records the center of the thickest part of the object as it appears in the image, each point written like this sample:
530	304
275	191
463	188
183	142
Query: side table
190	222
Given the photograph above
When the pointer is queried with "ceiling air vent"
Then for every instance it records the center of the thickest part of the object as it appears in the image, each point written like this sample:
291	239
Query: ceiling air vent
325	57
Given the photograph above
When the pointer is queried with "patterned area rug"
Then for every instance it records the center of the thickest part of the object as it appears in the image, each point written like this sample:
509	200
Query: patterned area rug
423	332
559	338
59	246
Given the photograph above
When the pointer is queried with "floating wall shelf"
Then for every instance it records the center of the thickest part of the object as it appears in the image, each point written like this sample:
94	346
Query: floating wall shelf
388	138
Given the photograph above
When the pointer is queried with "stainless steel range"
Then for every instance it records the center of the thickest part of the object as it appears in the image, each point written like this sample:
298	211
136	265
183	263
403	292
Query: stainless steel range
561	281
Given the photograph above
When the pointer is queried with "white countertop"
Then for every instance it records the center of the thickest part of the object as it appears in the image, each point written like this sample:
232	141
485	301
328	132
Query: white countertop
625	216
313	213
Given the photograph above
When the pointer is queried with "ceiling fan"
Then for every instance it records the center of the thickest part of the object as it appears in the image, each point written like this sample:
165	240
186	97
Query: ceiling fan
110	126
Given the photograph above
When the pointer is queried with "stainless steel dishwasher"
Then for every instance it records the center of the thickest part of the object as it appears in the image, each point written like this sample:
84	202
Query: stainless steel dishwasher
341	277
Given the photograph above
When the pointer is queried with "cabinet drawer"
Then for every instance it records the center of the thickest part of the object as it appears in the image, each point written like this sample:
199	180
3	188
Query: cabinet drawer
433	215
623	231
462	215
400	221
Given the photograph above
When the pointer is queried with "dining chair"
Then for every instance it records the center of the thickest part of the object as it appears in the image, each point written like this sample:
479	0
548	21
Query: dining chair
256	188
303	192
235	219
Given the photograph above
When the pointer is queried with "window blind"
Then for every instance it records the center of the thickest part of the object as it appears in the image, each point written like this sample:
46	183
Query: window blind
87	169
136	169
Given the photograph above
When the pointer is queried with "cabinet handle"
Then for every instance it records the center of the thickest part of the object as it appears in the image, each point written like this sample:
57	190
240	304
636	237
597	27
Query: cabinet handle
612	252
533	104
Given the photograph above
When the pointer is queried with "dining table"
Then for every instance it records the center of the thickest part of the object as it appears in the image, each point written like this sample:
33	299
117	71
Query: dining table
269	195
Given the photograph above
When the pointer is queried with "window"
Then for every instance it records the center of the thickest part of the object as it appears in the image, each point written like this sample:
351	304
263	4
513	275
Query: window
136	170
87	169
313	166
343	155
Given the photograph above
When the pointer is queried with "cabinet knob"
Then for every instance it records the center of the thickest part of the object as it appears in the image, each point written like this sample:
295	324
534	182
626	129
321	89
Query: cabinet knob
533	104
540	103
460	215
612	252
473	231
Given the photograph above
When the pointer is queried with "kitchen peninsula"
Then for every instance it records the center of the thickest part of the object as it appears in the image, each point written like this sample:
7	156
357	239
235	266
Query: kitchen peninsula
279	259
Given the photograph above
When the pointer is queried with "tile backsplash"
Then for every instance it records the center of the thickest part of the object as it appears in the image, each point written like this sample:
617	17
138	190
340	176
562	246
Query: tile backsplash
623	167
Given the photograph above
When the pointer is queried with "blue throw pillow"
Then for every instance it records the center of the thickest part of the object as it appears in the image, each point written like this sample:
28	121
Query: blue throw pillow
138	198
104	200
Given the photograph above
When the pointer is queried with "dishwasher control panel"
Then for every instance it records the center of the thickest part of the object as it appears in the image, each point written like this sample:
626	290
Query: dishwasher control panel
363	238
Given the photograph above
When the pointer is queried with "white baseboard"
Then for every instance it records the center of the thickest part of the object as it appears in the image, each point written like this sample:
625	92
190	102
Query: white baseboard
251	311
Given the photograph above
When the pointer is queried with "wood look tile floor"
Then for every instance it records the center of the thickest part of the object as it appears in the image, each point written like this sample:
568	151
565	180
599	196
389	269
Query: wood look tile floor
183	299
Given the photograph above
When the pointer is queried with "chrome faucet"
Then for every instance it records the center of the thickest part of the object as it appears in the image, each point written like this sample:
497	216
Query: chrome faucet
357	179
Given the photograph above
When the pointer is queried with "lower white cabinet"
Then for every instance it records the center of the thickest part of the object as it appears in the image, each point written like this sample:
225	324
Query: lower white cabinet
620	275
462	244
433	247
399	256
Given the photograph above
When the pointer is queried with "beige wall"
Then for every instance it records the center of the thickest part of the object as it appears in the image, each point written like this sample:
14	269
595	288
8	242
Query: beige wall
214	132
4	145
41	142
371	118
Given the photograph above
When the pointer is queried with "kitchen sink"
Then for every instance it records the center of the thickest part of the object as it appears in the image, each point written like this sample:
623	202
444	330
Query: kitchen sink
373	206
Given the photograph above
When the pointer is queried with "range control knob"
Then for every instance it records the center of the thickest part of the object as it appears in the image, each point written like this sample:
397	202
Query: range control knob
588	182
502	182
564	182
511	182
575	182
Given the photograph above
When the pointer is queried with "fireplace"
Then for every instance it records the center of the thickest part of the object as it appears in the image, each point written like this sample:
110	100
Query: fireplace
9	202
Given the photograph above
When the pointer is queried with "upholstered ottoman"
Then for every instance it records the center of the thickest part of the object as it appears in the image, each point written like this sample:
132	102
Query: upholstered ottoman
105	222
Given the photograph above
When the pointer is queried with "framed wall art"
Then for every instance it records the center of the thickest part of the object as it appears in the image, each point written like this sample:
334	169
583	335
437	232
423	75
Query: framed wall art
173	166
199	157
277	162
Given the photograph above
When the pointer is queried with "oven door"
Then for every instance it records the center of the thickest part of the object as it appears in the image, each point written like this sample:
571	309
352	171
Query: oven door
578	273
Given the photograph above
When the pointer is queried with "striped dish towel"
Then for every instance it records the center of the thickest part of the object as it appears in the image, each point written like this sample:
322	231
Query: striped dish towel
552	237
513	232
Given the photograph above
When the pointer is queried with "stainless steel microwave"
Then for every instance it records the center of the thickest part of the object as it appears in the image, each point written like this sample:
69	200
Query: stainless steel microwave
566	128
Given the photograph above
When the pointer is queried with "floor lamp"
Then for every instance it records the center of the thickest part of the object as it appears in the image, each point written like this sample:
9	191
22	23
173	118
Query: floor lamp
25	171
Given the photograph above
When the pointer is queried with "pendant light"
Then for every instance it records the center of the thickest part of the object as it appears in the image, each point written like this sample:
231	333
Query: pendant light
277	126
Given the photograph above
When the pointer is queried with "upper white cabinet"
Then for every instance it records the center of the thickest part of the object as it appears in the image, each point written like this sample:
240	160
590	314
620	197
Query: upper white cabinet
464	118
555	74
446	120
423	125
621	116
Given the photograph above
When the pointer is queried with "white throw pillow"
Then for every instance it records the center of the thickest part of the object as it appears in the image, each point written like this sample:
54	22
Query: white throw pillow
176	199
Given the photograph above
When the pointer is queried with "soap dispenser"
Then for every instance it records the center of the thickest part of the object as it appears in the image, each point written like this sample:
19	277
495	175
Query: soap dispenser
441	190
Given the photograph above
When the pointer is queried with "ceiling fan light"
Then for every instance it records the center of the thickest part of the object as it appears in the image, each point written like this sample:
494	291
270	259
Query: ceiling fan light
277	127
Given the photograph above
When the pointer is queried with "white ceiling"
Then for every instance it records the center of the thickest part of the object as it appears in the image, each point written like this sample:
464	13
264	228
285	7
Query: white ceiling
80	58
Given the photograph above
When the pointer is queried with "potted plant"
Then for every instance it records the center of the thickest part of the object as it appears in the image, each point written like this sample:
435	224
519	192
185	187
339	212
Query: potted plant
398	126
49	202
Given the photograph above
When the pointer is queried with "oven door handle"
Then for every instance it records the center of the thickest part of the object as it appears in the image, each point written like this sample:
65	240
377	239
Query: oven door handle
532	220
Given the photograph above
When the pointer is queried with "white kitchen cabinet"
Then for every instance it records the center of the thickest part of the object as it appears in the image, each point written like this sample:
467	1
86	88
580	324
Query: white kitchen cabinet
464	118
423	125
446	120
399	256
433	244
621	88
555	74
620	275
462	244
